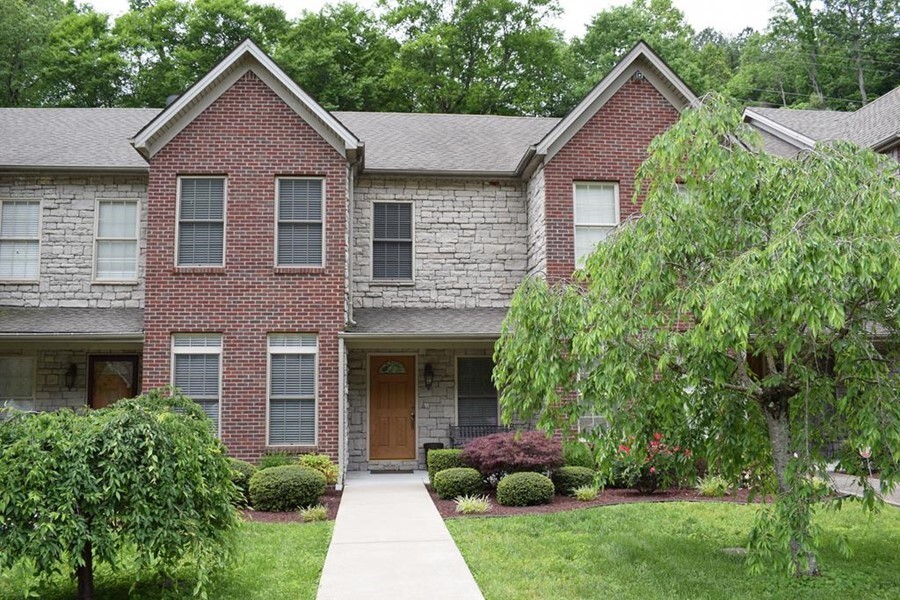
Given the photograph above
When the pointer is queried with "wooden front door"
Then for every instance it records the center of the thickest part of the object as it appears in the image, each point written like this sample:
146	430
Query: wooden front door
392	406
111	378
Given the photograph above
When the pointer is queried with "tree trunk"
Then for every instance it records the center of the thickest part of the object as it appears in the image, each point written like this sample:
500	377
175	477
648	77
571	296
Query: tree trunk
85	574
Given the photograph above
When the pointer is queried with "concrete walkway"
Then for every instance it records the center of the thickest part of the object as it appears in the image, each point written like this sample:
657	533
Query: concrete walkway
390	542
846	484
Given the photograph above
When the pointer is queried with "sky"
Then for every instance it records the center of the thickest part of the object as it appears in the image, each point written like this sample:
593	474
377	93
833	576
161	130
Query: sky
728	16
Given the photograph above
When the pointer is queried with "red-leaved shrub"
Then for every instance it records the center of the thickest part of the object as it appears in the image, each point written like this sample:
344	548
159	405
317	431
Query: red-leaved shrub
512	453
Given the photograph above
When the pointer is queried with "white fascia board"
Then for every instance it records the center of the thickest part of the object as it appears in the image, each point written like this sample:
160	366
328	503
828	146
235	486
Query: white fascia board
779	130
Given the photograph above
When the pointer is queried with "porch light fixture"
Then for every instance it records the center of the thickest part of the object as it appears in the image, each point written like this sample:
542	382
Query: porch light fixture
429	376
71	374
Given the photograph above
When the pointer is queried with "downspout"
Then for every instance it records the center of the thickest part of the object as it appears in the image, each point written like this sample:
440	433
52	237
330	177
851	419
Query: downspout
342	417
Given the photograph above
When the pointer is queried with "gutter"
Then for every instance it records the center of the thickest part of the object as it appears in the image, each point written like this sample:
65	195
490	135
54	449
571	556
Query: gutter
440	173
475	336
127	337
30	169
887	143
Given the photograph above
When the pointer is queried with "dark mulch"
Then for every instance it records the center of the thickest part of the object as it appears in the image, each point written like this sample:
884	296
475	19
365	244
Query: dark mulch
331	500
447	508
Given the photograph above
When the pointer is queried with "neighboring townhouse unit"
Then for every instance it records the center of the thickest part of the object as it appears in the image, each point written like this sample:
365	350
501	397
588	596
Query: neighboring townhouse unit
317	281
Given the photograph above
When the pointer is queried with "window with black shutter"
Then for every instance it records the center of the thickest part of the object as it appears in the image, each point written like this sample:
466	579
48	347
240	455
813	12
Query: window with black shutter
392	241
476	394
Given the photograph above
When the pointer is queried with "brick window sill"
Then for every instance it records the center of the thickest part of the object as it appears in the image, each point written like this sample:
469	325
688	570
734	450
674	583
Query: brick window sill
198	271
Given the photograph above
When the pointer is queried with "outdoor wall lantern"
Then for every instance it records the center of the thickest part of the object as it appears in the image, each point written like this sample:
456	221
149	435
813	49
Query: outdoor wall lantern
71	374
429	376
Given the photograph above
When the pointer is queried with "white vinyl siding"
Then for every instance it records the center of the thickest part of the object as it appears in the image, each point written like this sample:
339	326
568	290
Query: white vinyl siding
116	240
392	241
300	235
596	215
292	389
20	239
201	221
476	402
17	382
197	370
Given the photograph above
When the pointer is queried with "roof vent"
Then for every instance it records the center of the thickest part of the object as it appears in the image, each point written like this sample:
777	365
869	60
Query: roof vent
171	98
638	76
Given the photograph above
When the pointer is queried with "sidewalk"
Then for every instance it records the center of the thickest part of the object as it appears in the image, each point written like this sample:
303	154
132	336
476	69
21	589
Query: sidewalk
845	484
390	542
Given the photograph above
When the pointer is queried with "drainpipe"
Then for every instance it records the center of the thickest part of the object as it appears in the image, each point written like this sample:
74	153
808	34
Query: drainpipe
342	410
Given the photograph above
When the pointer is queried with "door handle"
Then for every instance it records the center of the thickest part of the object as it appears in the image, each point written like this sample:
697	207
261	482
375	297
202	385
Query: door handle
412	418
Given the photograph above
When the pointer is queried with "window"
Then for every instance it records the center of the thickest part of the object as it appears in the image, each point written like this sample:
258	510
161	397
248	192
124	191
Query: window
300	239
476	402
292	389
116	240
197	370
596	215
201	221
20	239
17	382
392	241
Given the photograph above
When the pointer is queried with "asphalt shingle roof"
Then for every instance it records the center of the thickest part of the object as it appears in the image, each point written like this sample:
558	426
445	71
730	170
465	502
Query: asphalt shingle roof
71	321
428	321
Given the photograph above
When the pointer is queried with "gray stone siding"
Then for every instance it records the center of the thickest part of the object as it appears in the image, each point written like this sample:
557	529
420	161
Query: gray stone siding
470	242
67	240
537	233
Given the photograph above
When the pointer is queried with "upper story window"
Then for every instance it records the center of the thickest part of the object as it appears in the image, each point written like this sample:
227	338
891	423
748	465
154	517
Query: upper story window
292	389
476	402
197	370
20	239
17	382
300	239
392	241
596	215
116	240
201	221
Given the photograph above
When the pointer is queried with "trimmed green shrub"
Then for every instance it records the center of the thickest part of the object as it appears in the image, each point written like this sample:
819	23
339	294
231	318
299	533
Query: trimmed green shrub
438	460
287	487
524	489
566	479
241	472
276	459
321	463
578	454
458	481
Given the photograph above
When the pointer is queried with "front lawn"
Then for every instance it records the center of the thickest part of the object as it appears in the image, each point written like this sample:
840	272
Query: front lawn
275	560
671	550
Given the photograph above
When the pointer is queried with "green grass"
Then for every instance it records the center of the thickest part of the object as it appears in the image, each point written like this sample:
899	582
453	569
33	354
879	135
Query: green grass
670	550
274	560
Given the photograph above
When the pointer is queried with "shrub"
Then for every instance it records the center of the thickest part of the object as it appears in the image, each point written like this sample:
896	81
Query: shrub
524	489
459	481
513	452
287	487
656	465
578	454
712	486
241	472
469	505
566	479
276	459
586	493
314	513
438	460
321	463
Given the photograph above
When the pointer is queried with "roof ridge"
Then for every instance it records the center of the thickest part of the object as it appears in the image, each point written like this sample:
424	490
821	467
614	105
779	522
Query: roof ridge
437	114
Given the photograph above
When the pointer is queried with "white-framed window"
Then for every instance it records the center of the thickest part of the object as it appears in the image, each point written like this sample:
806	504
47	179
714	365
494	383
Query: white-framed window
116	233
476	396
596	215
300	235
201	222
392	241
20	239
292	389
17	382
197	370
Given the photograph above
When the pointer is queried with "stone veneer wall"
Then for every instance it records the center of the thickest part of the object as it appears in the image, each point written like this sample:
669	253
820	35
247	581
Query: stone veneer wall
68	204
470	242
537	235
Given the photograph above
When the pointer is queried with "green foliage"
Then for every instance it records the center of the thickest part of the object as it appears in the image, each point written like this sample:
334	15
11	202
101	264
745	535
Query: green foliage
241	472
586	493
80	486
471	504
458	481
439	460
566	479
578	454
276	459
658	465
287	487
525	489
314	513
712	486
322	463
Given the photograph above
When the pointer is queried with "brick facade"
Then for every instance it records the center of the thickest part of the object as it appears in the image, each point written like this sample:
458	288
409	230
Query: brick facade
250	136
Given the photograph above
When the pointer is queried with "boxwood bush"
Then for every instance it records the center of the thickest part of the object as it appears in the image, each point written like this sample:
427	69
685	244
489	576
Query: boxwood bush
500	453
287	487
438	460
458	481
524	489
566	479
241	472
276	459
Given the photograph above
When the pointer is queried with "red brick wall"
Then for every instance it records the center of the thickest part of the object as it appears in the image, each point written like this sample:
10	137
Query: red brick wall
250	136
610	147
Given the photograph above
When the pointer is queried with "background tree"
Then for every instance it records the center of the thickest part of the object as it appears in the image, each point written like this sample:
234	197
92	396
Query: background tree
753	316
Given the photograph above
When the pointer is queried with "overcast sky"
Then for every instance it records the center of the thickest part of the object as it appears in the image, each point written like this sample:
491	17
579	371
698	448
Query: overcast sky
728	16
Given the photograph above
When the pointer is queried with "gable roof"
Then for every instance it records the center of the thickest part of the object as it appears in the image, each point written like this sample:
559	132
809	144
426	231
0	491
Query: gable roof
71	138
246	57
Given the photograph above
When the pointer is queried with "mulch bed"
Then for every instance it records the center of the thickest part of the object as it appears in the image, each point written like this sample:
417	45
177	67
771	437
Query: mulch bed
331	499
447	508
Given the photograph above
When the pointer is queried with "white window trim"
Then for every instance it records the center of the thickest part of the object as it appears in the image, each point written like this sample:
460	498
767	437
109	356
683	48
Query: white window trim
40	236
412	214
137	240
270	350
576	224
224	221
278	181
456	386
220	350
33	378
